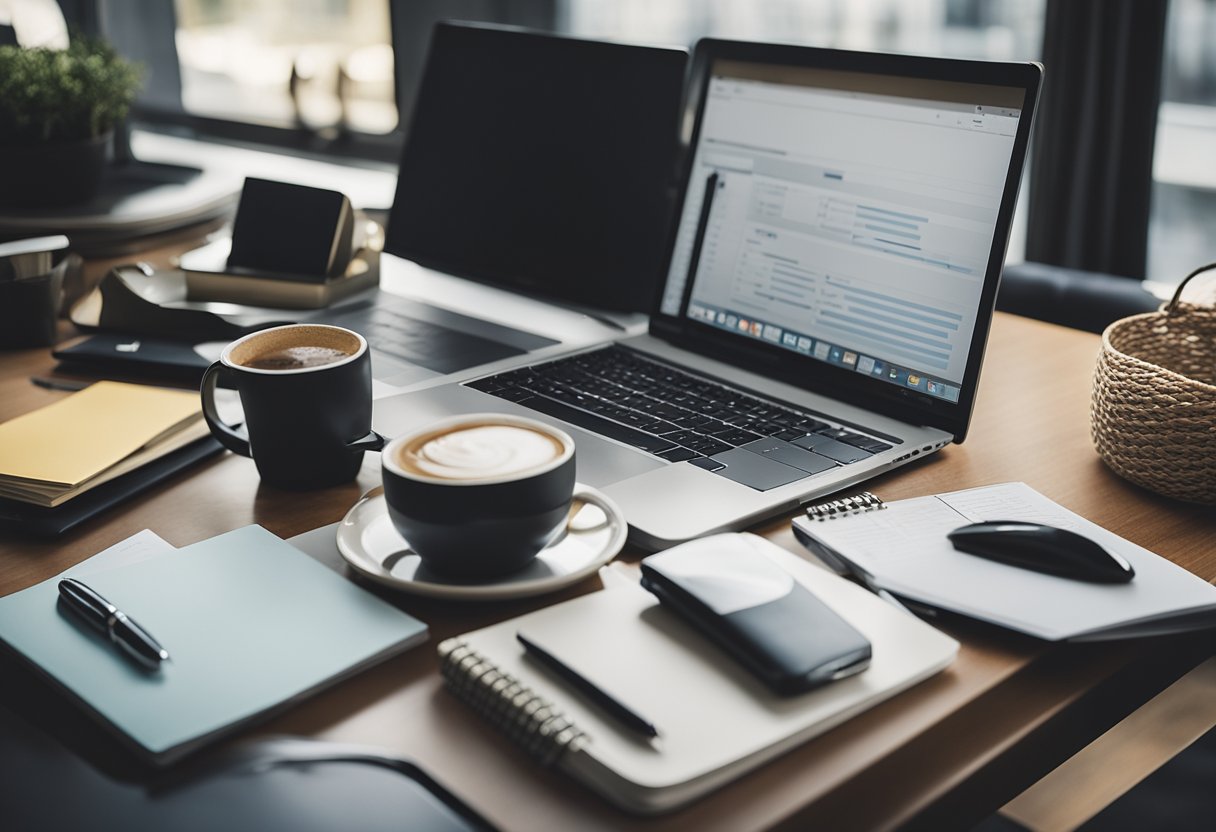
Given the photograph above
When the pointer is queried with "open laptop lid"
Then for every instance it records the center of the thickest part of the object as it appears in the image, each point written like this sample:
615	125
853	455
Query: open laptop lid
542	163
845	218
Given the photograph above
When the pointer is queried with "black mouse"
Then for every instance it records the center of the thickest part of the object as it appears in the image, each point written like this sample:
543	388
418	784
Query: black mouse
1042	549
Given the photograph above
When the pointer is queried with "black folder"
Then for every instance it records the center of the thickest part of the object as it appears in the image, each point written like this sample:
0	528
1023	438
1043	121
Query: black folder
40	521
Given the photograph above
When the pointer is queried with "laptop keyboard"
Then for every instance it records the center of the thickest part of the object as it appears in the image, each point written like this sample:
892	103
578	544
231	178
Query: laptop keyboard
678	416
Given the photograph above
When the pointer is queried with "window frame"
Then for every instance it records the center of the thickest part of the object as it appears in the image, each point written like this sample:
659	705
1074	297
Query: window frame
305	141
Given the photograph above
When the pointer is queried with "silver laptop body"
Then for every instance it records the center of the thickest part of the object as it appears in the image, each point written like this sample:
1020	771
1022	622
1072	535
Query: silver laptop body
837	253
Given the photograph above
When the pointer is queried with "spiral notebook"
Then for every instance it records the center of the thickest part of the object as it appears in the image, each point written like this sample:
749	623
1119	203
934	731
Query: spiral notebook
715	721
901	547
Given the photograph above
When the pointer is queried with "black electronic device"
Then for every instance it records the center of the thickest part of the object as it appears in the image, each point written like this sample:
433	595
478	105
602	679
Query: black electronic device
1042	548
543	163
755	611
291	231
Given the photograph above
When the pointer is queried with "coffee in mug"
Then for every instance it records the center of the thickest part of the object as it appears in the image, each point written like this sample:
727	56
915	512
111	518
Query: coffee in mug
296	347
306	390
480	495
295	358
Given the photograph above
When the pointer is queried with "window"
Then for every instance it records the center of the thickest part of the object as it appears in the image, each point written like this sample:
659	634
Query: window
989	29
1182	229
999	30
317	64
320	74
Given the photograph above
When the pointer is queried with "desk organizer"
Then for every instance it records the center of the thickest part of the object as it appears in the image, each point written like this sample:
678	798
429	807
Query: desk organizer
29	309
1153	409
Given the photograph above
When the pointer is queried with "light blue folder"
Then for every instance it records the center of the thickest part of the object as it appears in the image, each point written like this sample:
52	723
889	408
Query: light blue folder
250	623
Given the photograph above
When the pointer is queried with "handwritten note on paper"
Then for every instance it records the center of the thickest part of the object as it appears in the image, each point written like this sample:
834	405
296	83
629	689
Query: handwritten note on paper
982	504
897	532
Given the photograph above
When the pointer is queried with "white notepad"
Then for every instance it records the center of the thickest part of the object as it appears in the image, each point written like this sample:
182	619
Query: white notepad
715	720
250	622
902	547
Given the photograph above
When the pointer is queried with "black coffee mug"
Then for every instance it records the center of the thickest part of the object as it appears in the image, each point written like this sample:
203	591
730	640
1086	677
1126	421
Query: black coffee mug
305	426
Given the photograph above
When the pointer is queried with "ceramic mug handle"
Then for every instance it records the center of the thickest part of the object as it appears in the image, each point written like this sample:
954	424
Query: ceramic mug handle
236	442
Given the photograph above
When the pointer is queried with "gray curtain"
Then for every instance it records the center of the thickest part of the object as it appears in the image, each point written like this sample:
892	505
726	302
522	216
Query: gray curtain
1091	168
146	31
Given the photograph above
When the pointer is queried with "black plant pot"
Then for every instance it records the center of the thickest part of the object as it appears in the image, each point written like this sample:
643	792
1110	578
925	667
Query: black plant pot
53	175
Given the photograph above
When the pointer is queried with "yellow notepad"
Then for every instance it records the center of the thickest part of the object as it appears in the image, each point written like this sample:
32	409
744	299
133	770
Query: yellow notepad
78	437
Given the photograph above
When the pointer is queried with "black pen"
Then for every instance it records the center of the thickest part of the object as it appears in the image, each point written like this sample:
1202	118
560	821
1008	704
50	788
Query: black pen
59	383
131	639
592	691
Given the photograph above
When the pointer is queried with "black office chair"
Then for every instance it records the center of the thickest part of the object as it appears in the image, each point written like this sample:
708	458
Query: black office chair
267	783
1079	299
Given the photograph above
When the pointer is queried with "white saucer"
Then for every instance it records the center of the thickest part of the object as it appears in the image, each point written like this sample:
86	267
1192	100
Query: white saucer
369	542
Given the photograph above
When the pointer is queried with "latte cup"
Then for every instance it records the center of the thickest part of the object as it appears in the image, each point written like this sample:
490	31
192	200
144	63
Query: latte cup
479	495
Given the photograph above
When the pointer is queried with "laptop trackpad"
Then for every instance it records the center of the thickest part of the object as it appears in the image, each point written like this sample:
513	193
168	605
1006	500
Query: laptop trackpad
755	471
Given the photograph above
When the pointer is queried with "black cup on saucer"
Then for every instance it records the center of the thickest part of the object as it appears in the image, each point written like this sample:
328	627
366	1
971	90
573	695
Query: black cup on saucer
480	495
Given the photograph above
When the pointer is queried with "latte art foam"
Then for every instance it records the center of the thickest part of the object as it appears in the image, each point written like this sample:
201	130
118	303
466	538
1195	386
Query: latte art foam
480	452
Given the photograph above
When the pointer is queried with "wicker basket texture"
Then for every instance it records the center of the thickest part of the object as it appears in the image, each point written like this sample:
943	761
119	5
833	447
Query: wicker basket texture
1153	409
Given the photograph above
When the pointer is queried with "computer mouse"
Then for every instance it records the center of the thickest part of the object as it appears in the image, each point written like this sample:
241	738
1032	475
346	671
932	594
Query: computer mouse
1042	549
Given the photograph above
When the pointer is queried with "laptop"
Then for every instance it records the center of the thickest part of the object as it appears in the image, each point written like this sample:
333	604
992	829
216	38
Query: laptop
534	194
830	282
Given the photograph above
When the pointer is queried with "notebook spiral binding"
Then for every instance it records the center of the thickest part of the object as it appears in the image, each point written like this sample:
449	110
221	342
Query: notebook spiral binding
527	719
864	501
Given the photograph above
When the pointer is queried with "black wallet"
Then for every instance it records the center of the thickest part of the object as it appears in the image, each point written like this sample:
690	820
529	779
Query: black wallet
133	356
755	611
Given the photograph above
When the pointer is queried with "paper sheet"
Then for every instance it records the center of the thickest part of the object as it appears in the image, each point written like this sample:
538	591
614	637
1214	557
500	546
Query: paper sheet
137	547
904	549
84	434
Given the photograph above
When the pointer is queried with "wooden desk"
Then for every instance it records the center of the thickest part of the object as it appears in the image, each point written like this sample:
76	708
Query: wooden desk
939	756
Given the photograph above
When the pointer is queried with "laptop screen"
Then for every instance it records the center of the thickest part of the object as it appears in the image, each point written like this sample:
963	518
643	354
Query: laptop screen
847	217
543	163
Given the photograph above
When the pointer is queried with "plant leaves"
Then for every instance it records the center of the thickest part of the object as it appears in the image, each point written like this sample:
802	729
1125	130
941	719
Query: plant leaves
49	95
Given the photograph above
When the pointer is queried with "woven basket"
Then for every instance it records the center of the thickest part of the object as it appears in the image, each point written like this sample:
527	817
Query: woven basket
1153	410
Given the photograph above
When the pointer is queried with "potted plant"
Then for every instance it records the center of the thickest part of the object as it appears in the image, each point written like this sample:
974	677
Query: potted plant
58	108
